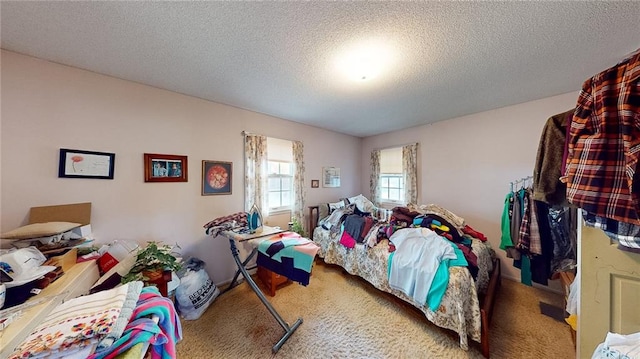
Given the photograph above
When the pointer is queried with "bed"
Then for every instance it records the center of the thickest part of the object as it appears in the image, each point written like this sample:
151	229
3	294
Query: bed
467	304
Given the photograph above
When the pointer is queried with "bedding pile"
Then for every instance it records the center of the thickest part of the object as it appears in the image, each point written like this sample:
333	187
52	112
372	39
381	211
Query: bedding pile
288	254
104	324
389	249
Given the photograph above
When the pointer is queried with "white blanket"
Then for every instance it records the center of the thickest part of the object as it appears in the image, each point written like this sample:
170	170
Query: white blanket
418	254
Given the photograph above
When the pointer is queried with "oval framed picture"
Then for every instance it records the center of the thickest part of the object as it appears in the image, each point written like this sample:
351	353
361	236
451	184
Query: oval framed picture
216	177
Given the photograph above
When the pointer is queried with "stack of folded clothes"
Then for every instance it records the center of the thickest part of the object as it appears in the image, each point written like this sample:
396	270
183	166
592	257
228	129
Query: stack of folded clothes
105	323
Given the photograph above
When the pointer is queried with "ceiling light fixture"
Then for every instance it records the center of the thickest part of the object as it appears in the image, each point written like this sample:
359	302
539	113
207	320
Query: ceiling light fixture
366	61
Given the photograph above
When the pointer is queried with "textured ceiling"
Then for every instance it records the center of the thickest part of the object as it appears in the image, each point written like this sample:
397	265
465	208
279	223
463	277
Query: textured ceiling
448	58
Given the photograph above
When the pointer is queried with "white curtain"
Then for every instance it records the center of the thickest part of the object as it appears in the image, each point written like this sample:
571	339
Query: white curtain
374	180
297	211
255	173
410	171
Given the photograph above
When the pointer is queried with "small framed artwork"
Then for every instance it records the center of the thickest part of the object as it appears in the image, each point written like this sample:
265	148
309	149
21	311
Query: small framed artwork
330	177
86	164
315	183
165	168
216	177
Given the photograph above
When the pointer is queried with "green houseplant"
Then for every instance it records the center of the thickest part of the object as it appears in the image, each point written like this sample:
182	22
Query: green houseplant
151	262
297	227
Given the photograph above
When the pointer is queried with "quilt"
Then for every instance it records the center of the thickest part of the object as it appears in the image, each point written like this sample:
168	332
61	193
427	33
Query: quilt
459	309
288	254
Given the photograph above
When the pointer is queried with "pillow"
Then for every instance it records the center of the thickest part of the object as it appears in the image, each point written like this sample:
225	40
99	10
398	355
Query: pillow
336	205
354	198
325	209
37	230
363	203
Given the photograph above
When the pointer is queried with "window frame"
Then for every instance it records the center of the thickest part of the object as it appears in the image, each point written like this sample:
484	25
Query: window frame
401	188
270	175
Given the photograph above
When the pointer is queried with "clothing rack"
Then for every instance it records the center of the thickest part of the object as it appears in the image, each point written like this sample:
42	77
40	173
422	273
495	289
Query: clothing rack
523	180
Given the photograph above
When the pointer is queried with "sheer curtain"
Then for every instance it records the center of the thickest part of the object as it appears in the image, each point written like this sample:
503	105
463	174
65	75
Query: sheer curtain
255	173
374	180
410	171
297	211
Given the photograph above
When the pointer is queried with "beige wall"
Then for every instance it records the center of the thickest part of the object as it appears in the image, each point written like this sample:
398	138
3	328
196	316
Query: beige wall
466	163
46	106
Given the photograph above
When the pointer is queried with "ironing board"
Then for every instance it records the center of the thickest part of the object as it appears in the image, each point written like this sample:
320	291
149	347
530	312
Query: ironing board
242	268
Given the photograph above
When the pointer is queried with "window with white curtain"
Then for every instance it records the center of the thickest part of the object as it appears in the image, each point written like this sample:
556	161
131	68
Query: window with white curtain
280	174
391	180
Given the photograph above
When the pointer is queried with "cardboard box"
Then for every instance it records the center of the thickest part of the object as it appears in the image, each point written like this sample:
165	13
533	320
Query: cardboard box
76	213
80	232
66	261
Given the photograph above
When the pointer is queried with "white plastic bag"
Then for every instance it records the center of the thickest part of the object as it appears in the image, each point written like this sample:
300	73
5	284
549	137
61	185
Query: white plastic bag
195	292
572	299
618	346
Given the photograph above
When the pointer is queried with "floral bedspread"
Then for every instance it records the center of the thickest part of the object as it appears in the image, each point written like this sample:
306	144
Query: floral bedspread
460	308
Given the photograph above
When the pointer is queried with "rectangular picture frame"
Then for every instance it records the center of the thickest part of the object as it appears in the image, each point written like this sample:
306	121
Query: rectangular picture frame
330	177
217	177
86	164
315	183
165	168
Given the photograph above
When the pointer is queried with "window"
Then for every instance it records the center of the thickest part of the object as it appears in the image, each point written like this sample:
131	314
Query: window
280	174
280	186
391	177
391	187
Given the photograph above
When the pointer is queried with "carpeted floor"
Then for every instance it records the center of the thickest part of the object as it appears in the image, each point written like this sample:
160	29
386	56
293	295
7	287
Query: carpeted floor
345	317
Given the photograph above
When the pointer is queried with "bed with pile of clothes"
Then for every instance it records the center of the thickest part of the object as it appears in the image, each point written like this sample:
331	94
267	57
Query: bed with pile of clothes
425	255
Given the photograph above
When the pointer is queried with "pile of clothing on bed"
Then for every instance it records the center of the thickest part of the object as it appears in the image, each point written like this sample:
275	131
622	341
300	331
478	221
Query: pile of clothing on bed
424	241
357	220
442	222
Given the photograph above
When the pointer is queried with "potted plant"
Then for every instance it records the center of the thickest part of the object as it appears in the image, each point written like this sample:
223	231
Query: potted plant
297	227
151	263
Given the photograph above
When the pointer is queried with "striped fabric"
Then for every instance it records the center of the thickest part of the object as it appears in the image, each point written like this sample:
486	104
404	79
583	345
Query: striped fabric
78	323
604	144
627	235
162	336
525	230
535	242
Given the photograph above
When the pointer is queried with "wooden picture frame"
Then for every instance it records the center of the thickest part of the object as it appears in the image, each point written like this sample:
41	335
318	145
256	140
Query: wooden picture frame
86	164
315	183
165	168
217	177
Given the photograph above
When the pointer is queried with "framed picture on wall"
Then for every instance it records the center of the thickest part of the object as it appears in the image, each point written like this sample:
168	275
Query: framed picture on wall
315	183
86	164
216	177
165	168
330	177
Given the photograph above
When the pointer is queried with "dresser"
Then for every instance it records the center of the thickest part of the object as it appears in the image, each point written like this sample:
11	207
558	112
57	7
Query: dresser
75	282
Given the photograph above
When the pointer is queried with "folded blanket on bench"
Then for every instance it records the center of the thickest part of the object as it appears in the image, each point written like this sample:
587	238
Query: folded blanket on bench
288	254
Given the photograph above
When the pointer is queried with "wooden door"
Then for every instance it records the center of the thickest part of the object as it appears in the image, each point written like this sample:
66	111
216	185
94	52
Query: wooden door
610	290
